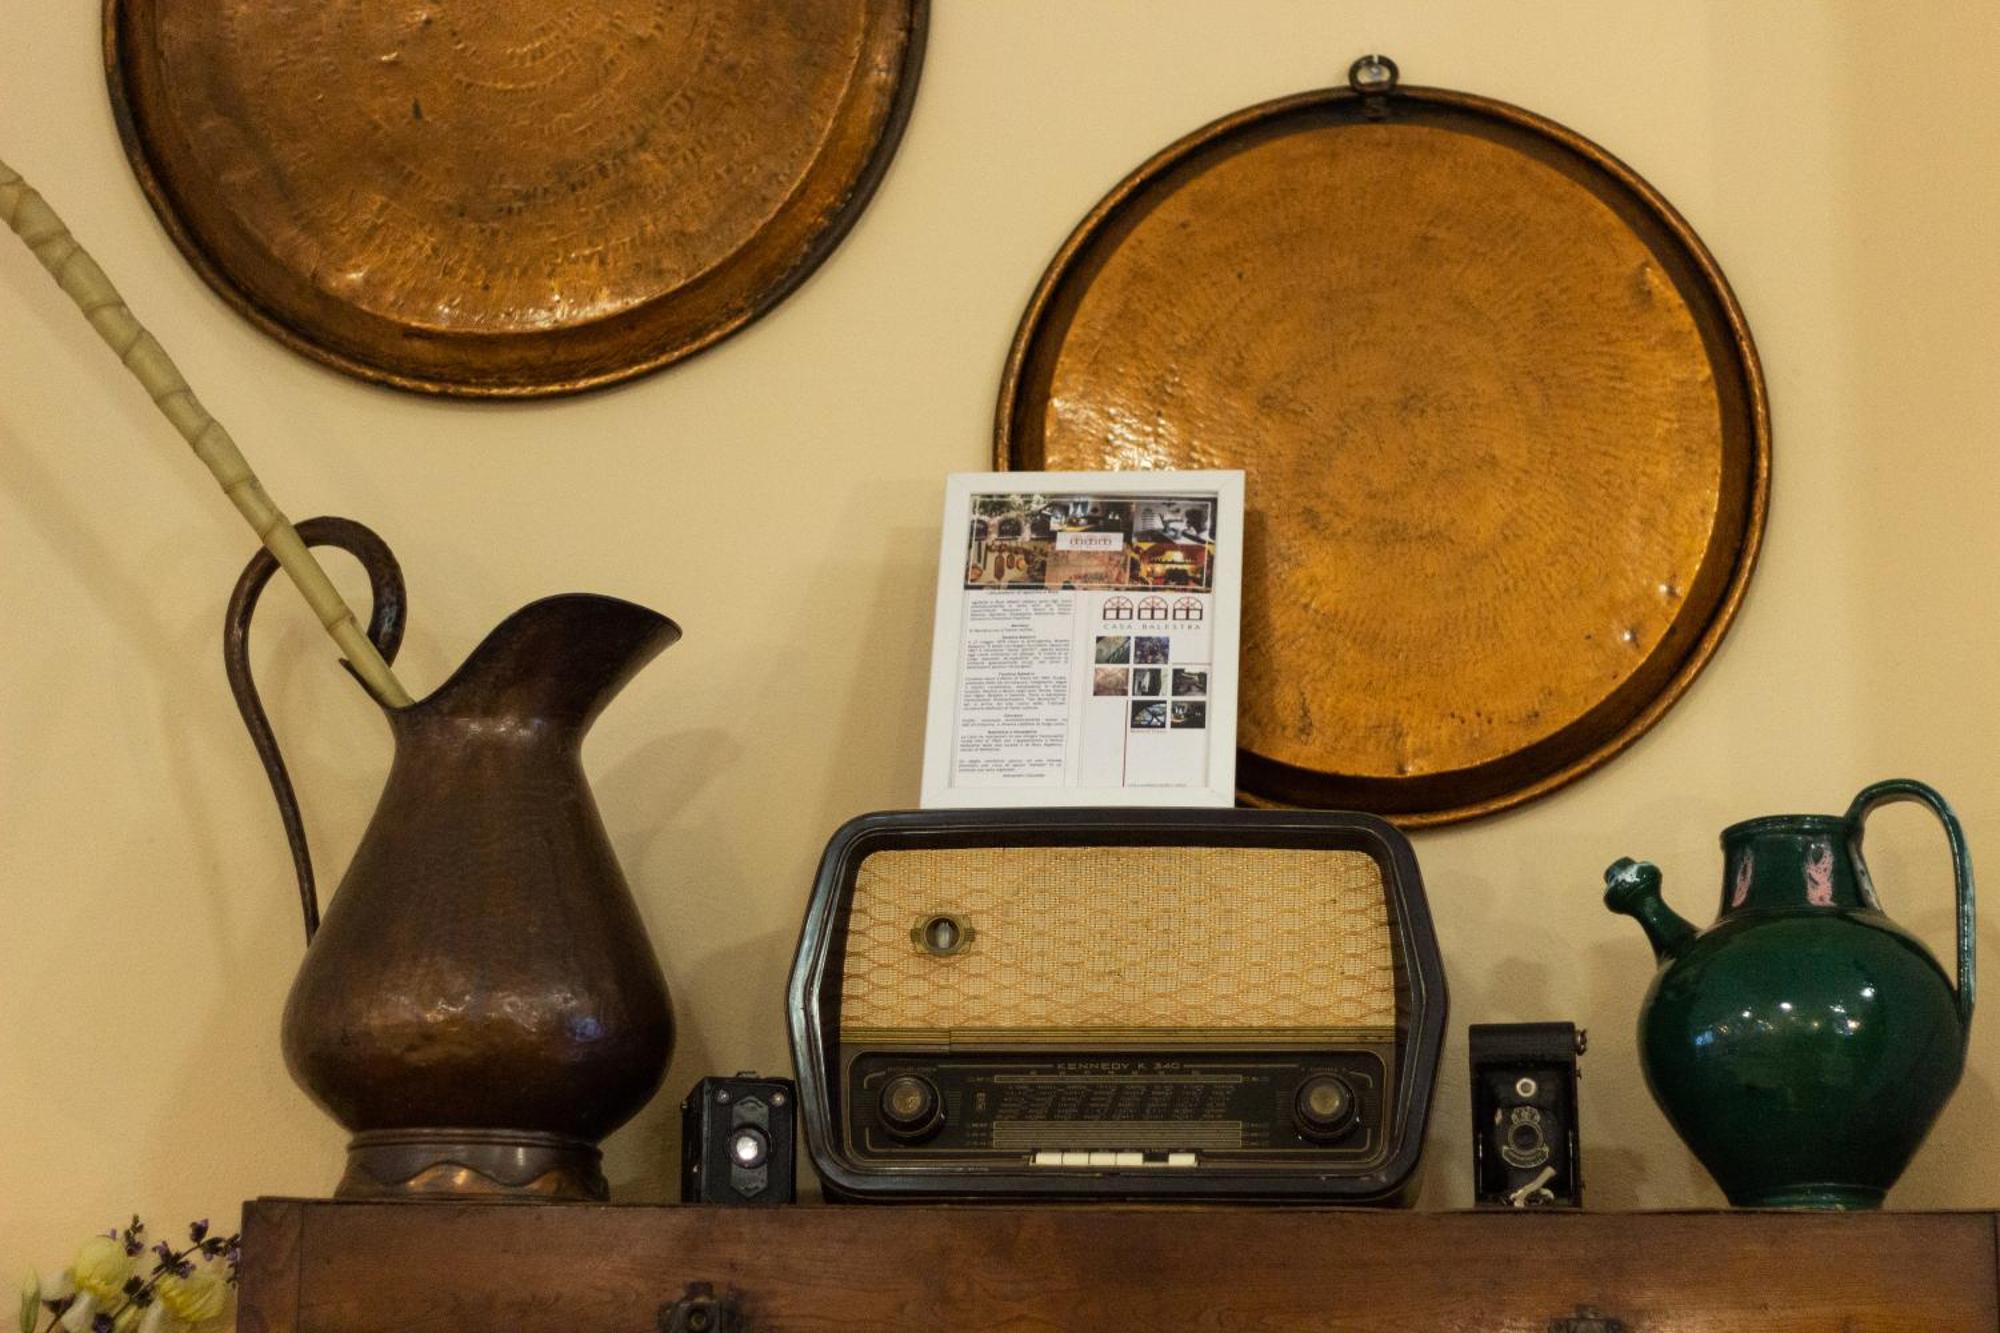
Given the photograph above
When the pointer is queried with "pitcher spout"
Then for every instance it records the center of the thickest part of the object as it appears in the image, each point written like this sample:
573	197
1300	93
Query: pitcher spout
1632	888
556	661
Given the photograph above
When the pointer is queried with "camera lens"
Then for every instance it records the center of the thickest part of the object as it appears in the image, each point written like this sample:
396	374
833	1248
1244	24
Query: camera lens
1524	1144
748	1148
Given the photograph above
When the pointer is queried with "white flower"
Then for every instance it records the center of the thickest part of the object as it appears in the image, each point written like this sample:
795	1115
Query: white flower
77	1318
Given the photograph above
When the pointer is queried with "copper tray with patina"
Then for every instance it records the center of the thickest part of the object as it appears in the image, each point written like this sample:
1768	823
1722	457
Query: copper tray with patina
509	197
1505	435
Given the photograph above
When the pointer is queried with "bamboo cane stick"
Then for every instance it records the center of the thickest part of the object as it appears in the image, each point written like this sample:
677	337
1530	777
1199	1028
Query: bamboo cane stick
78	274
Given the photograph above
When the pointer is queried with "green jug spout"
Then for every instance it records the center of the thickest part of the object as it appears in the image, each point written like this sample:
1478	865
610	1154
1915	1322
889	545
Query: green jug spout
1632	888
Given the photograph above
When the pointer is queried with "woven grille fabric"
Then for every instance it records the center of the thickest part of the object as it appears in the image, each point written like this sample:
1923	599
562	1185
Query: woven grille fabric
1163	939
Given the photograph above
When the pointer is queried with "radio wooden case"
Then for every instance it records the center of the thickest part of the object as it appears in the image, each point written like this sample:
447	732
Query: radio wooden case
1221	1004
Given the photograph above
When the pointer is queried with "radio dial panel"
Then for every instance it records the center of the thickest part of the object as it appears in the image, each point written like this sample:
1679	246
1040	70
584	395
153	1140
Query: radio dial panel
1252	1109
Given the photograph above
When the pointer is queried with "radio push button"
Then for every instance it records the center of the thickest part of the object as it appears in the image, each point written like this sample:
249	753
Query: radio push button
1326	1107
910	1108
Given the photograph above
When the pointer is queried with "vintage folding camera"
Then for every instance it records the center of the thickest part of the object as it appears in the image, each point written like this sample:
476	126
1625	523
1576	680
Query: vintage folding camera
737	1141
1525	1151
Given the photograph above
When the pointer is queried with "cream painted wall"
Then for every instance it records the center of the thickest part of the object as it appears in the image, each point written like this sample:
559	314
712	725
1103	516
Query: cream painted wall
779	496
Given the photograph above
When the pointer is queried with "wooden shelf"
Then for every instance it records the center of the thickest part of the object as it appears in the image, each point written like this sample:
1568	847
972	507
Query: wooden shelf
321	1267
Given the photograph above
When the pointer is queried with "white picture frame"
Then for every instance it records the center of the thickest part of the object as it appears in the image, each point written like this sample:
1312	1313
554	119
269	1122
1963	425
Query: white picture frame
1008	576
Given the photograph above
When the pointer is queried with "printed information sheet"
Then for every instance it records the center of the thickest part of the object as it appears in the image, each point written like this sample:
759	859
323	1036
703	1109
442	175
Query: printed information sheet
1085	649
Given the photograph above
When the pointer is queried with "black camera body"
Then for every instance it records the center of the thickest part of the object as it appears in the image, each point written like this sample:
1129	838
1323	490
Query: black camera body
1525	1148
737	1141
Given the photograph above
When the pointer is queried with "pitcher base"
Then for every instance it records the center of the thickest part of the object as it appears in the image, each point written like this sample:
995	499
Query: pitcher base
458	1165
1836	1198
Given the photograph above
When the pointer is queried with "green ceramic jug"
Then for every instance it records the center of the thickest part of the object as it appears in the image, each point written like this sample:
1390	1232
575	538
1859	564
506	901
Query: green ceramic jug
1804	1043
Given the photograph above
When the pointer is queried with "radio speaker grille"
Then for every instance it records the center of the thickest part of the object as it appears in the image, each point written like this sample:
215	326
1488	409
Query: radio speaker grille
1149	941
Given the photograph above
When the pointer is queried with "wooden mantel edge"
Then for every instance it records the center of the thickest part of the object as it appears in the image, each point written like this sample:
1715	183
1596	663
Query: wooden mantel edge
281	1205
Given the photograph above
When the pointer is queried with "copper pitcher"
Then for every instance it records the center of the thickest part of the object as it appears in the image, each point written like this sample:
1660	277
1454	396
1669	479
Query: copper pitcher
482	1005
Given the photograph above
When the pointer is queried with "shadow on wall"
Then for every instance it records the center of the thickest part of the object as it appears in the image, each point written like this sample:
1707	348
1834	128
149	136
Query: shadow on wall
643	796
881	719
1920	506
678	800
1526	938
646	1166
54	505
1951	1170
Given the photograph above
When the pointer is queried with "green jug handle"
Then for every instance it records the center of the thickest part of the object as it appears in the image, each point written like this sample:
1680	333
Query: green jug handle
1907	789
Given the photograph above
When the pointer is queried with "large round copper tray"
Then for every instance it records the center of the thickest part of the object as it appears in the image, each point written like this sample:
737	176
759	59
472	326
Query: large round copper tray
508	197
1506	439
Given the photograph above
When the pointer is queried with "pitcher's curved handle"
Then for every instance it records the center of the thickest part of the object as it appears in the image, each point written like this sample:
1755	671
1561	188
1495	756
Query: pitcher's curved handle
1907	789
385	629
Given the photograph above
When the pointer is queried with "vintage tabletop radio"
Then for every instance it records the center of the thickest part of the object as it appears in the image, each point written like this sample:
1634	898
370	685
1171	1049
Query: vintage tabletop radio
1209	1004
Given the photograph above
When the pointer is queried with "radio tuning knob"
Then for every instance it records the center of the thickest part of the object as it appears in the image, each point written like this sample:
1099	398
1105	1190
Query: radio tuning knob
910	1108
1326	1107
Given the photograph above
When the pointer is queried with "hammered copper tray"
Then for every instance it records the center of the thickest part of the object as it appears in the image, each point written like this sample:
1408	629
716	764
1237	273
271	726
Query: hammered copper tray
1506	439
509	197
